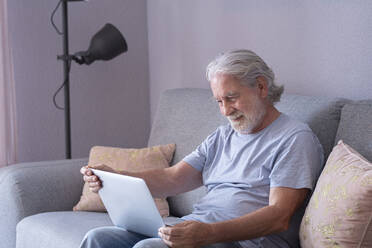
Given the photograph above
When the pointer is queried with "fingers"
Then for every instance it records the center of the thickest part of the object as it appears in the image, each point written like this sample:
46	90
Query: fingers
170	235
170	231
185	234
89	175
94	184
174	243
85	170
177	229
93	181
95	189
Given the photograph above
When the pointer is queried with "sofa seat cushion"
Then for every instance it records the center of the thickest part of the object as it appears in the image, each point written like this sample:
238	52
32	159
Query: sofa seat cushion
58	229
63	229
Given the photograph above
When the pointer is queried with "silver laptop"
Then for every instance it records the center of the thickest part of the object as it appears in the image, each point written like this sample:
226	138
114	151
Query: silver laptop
129	203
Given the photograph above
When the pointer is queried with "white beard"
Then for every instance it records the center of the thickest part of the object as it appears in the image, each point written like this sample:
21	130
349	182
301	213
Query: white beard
246	123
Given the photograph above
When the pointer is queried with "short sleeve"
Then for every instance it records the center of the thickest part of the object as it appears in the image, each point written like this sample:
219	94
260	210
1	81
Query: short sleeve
298	162
199	156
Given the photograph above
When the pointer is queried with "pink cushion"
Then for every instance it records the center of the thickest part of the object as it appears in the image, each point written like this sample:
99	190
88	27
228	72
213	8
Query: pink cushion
340	210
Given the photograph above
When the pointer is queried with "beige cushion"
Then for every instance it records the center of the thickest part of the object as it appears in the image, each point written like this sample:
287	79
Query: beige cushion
340	210
133	160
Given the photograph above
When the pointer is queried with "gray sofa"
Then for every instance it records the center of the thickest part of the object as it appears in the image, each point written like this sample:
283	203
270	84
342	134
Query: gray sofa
37	198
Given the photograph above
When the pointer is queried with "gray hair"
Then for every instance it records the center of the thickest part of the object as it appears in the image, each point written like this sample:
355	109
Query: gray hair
245	66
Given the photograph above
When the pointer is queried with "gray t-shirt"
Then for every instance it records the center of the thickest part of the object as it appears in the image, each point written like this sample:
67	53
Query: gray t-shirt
239	170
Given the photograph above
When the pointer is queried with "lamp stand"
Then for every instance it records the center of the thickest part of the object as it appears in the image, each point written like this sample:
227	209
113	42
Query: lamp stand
105	45
66	73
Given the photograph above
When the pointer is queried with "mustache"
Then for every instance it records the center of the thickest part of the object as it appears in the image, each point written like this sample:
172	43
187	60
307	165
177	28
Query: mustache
235	116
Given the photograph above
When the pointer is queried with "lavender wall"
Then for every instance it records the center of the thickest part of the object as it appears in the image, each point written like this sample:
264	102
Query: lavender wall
315	47
109	100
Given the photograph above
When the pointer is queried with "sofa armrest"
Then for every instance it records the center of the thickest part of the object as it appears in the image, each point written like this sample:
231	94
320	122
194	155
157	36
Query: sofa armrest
31	188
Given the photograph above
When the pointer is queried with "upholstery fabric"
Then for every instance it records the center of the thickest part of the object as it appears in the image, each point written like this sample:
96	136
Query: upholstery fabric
31	188
187	116
62	230
156	157
339	213
355	127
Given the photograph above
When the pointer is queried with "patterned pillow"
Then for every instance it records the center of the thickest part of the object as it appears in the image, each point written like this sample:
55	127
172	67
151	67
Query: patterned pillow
132	160
339	213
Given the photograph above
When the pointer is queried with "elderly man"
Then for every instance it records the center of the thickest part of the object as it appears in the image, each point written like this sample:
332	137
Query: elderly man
258	169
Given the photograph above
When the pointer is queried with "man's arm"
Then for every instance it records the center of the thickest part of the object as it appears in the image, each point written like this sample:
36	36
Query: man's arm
176	179
270	219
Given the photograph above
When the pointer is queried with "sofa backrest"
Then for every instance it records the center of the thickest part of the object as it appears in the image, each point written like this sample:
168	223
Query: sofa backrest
355	127
187	116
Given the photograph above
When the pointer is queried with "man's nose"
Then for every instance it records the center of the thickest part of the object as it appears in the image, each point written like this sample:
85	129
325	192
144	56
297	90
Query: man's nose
227	109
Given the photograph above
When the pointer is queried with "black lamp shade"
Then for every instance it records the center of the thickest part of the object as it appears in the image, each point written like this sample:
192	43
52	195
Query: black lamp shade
106	44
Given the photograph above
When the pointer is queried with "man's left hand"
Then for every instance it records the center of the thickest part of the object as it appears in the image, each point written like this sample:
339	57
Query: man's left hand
186	234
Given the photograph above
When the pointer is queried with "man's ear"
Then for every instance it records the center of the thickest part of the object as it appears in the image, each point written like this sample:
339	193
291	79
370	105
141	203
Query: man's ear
262	86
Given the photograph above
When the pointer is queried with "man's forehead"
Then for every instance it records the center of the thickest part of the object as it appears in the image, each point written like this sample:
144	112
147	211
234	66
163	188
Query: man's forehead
225	86
226	94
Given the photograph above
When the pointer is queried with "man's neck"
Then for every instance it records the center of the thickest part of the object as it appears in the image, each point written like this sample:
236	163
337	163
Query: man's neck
271	115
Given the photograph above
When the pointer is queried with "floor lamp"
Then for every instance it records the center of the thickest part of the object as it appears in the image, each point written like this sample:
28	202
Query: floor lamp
106	44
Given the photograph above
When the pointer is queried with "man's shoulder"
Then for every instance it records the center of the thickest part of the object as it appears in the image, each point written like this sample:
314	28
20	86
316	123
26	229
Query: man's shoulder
288	128
289	125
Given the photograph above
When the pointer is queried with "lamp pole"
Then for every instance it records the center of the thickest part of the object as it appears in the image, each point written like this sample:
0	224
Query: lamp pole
66	71
105	45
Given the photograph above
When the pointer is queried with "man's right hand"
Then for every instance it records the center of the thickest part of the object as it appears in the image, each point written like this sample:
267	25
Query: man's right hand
93	181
